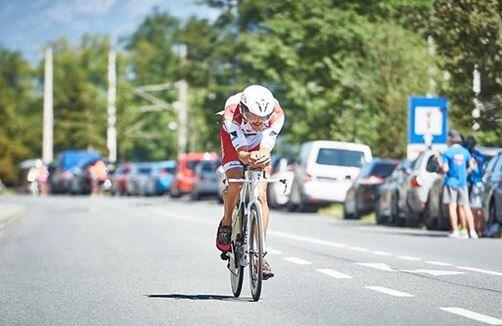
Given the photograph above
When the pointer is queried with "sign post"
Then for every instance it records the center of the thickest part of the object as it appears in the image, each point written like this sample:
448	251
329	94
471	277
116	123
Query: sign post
427	124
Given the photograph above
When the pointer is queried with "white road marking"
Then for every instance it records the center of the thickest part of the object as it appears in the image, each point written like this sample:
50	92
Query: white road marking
479	270
361	249
298	261
381	253
273	251
333	273
306	239
388	291
380	266
473	315
432	272
409	258
438	263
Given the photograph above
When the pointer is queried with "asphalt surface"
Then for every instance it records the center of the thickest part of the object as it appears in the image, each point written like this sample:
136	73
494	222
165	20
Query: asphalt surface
133	261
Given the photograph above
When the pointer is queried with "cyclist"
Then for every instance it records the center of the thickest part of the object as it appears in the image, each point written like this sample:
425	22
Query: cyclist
252	120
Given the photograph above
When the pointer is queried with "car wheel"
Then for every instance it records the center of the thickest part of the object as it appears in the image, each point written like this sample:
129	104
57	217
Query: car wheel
492	227
430	221
346	214
174	192
380	219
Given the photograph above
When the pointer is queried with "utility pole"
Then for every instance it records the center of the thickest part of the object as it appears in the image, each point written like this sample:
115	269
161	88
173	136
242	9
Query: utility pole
476	88
111	132
182	107
47	154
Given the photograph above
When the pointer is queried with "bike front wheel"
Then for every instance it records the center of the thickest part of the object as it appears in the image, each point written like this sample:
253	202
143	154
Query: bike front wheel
236	270
256	252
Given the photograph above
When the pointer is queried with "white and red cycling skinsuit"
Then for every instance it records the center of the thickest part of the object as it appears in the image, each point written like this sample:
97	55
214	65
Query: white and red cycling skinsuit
236	132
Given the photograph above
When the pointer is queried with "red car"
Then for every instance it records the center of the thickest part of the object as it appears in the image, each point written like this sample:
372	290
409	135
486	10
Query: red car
184	176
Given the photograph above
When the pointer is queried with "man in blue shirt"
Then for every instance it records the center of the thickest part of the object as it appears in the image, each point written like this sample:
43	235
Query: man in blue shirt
456	161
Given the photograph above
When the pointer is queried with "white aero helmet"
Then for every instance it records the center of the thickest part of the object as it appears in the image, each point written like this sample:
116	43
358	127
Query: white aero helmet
258	100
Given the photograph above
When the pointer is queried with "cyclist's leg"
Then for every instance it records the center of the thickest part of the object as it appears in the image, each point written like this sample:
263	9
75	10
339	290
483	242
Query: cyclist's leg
231	194
262	198
233	170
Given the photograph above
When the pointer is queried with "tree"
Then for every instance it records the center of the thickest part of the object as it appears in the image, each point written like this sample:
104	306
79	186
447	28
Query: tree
17	128
469	33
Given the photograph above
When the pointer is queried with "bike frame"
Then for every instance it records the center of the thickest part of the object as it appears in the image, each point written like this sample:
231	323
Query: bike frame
247	199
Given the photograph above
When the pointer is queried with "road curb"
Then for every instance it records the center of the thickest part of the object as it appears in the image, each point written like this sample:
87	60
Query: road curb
10	211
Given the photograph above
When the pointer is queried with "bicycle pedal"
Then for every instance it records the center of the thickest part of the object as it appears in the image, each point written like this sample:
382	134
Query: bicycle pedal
224	255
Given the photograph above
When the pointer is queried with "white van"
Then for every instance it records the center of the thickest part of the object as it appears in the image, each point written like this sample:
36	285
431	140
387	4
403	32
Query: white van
325	171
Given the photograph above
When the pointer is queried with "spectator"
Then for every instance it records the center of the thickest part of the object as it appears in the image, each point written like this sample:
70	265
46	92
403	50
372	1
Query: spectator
99	174
455	167
475	183
43	179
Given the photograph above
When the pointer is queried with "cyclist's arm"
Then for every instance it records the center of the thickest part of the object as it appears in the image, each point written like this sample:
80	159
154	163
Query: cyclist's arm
270	135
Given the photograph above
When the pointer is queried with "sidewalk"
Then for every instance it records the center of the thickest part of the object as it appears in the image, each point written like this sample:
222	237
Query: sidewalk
8	211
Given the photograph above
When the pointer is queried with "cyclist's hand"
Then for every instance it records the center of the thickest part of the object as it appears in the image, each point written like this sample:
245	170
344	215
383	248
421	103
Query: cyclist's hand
259	159
264	160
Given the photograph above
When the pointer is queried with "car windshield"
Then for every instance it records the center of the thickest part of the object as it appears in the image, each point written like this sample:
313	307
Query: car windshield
169	170
209	166
144	170
340	157
191	164
383	170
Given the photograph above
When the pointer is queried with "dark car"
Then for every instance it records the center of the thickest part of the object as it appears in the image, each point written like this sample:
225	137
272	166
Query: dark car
392	199
492	197
61	170
364	192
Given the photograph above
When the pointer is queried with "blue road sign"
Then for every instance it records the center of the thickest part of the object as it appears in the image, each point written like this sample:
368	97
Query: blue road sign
427	118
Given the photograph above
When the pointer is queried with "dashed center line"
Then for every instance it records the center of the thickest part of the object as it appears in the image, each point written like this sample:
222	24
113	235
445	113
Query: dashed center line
473	315
409	258
361	249
381	253
432	272
298	261
380	266
333	273
437	263
388	291
479	270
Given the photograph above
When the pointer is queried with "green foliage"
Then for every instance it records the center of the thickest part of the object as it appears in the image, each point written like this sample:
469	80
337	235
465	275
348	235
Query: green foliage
469	33
16	114
343	70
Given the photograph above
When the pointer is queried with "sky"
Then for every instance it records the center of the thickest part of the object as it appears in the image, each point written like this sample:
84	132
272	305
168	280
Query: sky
27	25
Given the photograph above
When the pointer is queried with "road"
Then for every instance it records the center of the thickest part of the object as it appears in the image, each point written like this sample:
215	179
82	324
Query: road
133	261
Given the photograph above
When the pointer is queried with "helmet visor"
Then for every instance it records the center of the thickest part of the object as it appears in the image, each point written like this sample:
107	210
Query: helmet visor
251	116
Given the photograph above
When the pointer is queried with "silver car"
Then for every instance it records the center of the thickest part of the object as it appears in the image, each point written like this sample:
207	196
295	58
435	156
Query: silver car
206	179
418	187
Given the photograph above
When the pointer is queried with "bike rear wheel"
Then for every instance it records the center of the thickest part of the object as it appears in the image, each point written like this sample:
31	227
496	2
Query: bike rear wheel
256	252
236	270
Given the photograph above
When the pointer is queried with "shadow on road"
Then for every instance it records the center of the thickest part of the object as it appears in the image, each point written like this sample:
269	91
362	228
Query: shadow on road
200	297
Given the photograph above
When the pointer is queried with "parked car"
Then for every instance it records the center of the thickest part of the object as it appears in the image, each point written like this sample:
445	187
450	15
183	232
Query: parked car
392	197
278	193
138	179
60	171
184	175
492	197
364	192
419	200
119	179
205	179
325	171
162	176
